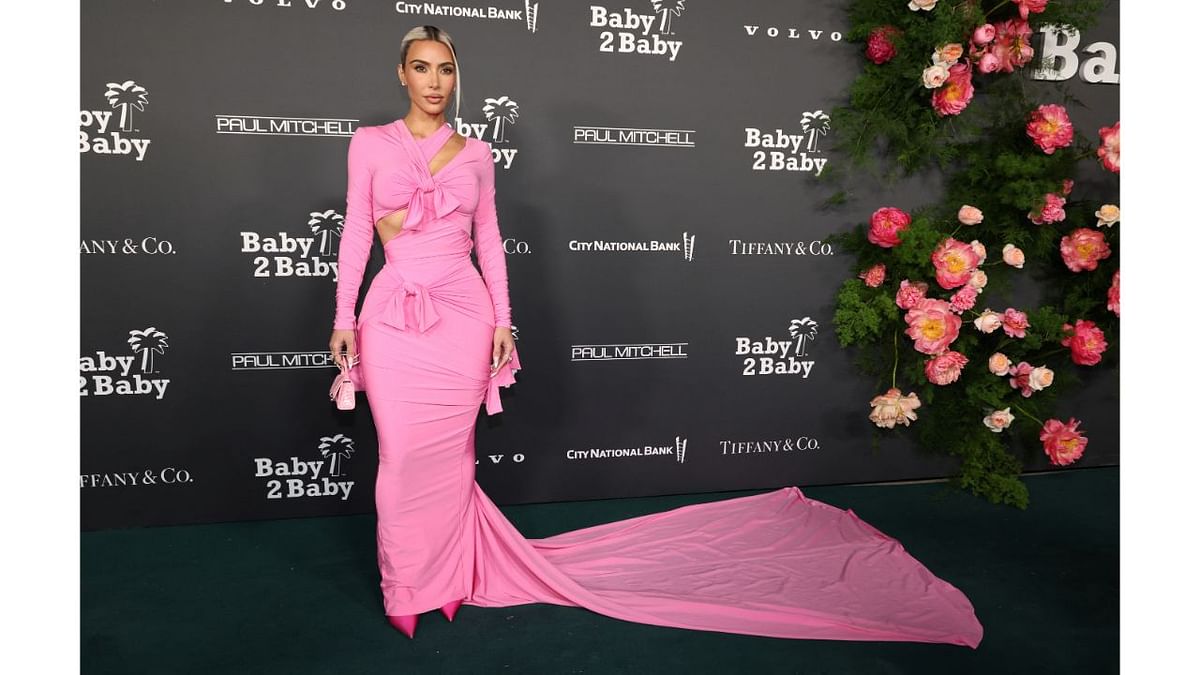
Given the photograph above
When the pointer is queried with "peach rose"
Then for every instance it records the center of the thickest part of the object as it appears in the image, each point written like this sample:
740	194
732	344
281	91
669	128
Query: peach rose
979	249
988	321
886	225
978	280
926	5
1062	442
1040	378
945	368
954	261
891	408
998	420
1108	215
935	76
874	277
999	363
1013	256
948	53
932	326
1083	249
910	294
969	215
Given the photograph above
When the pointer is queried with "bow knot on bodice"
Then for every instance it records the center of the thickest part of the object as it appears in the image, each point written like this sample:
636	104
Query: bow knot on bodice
429	201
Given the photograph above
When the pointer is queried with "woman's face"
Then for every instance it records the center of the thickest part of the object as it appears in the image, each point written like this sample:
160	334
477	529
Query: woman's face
429	75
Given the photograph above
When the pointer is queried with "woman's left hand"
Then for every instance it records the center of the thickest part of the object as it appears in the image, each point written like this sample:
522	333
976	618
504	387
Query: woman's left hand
502	348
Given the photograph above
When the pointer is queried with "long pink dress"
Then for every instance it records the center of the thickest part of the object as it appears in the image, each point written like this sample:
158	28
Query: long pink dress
774	564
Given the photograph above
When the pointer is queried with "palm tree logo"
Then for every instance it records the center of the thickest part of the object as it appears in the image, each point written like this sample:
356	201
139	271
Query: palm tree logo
148	342
502	109
802	330
815	124
323	225
127	95
667	8
335	448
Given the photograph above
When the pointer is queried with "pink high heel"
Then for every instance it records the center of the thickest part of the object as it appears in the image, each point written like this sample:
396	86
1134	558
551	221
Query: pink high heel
450	608
406	624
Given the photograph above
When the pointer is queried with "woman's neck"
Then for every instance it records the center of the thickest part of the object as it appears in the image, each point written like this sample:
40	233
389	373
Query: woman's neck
421	125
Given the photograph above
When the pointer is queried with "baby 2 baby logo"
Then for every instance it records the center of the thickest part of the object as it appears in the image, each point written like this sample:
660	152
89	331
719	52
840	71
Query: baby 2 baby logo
775	356
627	32
775	150
288	256
104	374
304	478
103	134
499	113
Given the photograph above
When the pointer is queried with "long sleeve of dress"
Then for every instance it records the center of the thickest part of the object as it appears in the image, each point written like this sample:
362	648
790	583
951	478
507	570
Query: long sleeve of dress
357	232
489	249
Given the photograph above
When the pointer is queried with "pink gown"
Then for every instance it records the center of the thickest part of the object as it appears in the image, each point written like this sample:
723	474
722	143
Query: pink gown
774	564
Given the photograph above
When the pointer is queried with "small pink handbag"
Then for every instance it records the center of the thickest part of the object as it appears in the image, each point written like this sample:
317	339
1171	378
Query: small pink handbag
342	390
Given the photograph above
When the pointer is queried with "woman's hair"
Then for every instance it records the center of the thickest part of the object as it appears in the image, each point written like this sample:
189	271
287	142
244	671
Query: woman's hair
439	35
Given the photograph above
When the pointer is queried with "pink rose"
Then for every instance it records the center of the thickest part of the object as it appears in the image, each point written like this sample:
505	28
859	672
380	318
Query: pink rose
969	215
984	34
1012	46
1062	443
881	46
999	363
963	300
1114	294
1068	185
1086	341
954	96
954	261
978	280
1109	151
1013	256
1050	128
886	225
874	277
1025	7
932	325
1040	378
891	408
1083	249
988	321
998	420
989	63
1020	378
945	367
910	294
1051	211
1015	322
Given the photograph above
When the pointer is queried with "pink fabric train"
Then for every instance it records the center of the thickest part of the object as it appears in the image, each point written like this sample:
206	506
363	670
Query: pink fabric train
774	564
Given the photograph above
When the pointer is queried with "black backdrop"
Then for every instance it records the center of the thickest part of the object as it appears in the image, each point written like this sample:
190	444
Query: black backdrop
657	239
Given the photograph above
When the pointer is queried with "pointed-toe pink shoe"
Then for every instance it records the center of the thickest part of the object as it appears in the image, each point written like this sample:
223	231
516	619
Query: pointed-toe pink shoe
450	608
406	624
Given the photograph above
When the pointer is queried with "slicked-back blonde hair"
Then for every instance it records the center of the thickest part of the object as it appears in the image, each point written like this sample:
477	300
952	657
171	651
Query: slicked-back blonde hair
438	35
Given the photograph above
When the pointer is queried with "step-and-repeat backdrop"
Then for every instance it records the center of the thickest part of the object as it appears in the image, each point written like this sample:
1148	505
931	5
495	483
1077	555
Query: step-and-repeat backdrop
657	174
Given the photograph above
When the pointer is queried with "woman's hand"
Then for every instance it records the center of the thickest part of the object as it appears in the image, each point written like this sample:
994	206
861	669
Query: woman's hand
502	348
342	341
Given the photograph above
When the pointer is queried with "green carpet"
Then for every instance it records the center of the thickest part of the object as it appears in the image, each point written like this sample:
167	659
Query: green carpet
302	596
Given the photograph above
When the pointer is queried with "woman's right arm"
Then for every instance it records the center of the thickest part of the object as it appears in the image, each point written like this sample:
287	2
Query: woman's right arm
357	231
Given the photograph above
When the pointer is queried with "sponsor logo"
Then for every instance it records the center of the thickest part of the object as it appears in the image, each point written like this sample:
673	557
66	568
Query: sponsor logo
1060	58
516	458
528	14
678	450
264	125
686	246
801	248
775	445
298	478
626	31
104	374
663	138
101	134
499	114
773	356
165	476
292	256
791	33
627	352
337	5
280	360
777	150
127	246
516	246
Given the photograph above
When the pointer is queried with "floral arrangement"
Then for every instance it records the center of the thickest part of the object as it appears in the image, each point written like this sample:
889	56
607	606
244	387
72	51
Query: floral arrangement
931	310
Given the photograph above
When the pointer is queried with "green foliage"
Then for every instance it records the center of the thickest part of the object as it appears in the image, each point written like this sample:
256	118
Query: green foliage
987	161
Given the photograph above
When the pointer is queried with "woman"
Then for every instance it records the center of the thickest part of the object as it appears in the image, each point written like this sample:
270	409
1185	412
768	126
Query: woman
435	342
